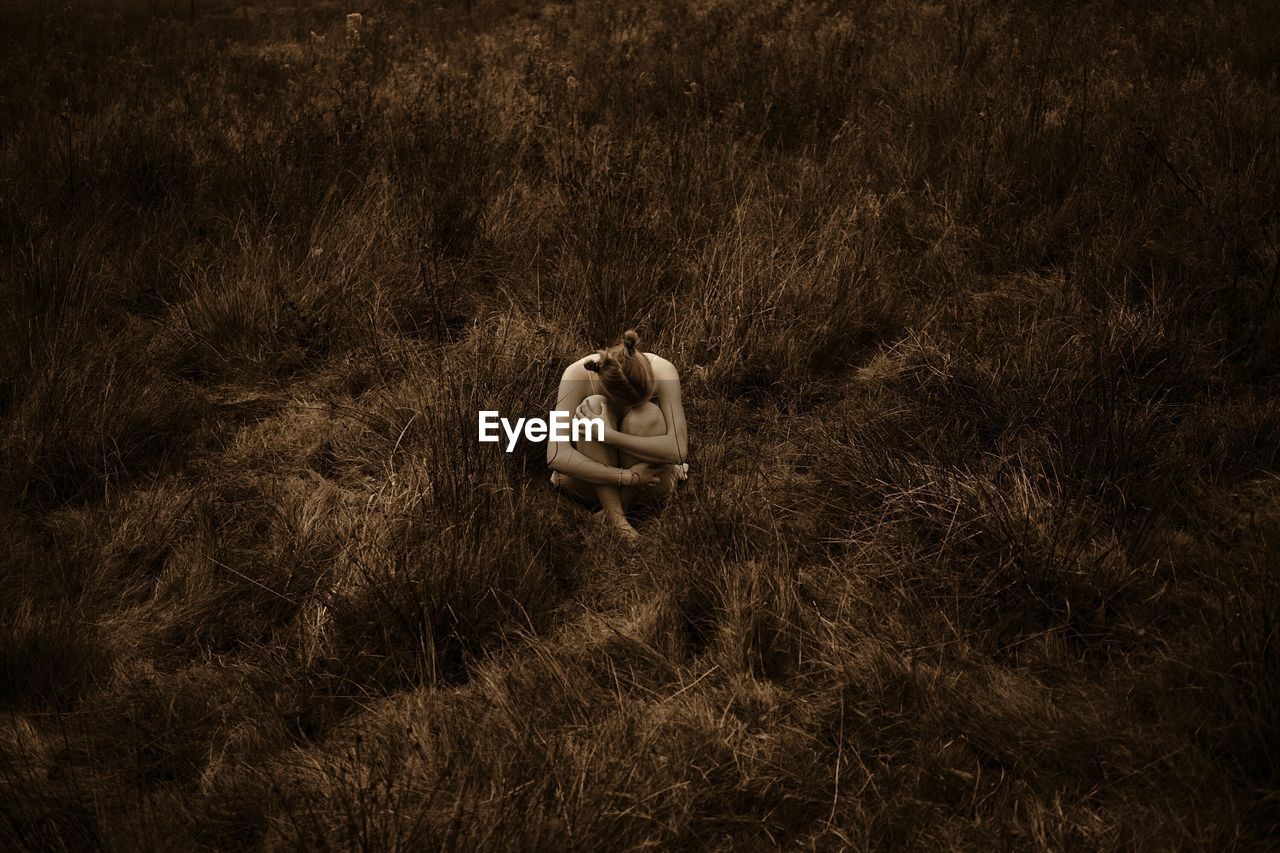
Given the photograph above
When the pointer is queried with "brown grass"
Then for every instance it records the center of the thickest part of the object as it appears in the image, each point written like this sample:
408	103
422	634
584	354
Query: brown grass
976	310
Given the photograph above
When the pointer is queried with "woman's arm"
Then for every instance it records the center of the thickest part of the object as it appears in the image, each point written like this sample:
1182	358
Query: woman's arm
563	456
671	447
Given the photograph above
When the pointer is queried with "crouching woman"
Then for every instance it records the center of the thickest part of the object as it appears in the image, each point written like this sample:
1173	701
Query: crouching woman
642	456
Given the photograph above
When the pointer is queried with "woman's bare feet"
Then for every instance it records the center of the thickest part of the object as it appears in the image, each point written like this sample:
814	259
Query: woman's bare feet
619	523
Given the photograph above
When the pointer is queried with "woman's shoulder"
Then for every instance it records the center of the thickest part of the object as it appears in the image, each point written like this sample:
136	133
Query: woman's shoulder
661	365
578	367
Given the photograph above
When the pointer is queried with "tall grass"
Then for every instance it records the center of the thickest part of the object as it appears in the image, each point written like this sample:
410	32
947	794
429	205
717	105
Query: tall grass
975	307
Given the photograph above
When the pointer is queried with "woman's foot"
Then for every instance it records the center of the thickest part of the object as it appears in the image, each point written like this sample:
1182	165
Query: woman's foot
619	523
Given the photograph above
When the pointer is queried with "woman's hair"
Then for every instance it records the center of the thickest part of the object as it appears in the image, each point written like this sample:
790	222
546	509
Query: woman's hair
625	373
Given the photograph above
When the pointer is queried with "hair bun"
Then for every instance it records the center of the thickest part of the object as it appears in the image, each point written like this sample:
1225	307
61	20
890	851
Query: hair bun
593	366
630	340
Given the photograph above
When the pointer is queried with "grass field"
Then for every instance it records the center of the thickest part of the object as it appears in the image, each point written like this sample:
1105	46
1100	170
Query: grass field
975	306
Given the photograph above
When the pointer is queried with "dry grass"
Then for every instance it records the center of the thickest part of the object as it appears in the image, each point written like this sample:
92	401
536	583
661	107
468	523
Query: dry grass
976	309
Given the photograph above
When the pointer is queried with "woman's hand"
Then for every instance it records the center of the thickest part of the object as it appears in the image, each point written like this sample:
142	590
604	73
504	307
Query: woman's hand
645	474
596	407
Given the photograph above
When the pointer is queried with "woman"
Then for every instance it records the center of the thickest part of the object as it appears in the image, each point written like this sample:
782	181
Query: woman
637	395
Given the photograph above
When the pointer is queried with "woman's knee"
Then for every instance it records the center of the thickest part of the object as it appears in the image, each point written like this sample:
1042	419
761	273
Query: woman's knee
645	419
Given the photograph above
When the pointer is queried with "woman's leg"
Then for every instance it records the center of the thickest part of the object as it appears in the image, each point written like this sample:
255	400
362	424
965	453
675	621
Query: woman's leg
609	497
645	420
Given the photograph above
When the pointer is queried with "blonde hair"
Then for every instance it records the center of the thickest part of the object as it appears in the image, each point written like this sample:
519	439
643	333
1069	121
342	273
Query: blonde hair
625	373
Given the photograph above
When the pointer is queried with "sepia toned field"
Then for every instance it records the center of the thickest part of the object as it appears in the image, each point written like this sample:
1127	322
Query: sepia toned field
975	307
